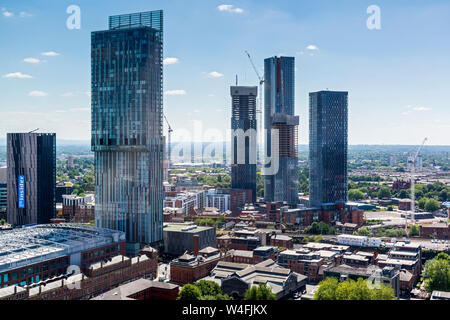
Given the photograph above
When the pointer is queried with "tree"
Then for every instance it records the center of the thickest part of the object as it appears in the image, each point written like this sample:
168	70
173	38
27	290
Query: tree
414	230
432	205
422	203
327	289
208	288
403	194
364	231
436	273
261	292
332	289
384	193
190	292
355	194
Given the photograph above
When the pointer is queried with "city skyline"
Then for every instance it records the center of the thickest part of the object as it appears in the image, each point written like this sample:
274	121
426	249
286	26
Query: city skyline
367	63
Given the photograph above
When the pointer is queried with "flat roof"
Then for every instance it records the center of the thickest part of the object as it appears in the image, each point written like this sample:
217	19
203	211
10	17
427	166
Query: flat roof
124	291
177	227
24	246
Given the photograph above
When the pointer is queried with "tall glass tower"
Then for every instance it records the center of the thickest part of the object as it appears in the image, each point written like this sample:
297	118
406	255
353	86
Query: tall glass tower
127	109
279	109
244	138
328	127
31	178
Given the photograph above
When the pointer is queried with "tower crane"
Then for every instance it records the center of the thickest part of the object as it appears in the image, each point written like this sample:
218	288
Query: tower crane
169	149
260	107
413	195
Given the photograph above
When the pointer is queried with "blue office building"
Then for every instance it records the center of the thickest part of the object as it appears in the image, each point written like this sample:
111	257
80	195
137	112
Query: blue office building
279	110
328	145
244	138
127	110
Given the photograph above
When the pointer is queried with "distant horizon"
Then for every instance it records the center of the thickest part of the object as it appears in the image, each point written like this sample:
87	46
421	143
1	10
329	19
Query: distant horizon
396	75
69	142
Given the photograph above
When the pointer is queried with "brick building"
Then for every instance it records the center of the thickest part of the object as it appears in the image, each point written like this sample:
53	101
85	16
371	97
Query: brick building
283	241
99	278
190	268
142	289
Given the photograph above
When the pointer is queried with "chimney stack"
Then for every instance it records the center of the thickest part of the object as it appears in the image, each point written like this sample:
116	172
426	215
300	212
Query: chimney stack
196	244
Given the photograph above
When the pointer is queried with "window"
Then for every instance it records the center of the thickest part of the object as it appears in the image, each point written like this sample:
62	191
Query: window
52	265
45	267
38	269
15	276
23	273
30	271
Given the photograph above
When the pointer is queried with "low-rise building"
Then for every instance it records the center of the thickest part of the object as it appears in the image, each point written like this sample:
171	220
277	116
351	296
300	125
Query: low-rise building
142	289
387	276
190	268
236	278
179	238
280	240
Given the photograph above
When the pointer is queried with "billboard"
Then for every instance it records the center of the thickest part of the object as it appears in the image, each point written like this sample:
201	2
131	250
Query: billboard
21	192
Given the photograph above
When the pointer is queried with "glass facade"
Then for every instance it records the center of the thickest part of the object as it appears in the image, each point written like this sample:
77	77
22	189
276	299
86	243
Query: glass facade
32	158
244	138
328	145
279	110
127	109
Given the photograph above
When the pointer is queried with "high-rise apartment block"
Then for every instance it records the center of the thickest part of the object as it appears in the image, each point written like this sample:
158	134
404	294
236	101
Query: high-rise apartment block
328	146
282	130
31	178
244	138
127	110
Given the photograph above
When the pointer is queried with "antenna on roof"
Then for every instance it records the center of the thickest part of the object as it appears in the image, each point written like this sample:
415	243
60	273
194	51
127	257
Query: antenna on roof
237	80
34	130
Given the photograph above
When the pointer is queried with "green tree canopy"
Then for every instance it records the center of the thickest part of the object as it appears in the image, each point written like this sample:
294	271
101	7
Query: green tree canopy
260	292
384	192
364	231
432	205
355	194
190	292
332	289
209	288
436	273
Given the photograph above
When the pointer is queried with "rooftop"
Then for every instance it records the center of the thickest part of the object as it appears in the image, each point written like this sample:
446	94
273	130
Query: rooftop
124	292
24	246
184	227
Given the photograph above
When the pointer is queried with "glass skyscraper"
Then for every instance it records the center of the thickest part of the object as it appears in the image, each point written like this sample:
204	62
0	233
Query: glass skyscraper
328	127
127	109
244	138
279	110
31	178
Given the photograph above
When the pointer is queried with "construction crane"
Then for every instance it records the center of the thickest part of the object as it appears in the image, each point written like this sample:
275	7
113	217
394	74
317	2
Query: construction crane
34	130
258	109
412	162
169	149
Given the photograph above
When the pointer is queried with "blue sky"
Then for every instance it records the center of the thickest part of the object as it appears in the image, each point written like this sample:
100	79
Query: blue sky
397	77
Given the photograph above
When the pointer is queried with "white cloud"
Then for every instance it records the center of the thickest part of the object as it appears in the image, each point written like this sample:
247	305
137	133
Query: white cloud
312	47
37	93
168	61
229	8
215	74
50	54
31	60
6	13
175	92
24	14
421	109
18	75
80	109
